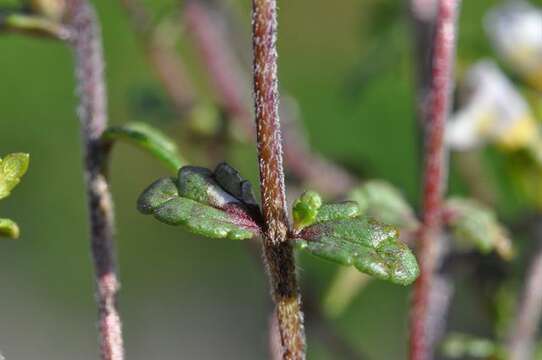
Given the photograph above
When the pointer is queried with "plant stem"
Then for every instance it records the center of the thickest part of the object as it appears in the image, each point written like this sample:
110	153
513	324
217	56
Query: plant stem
525	326
89	62
434	175
225	74
278	251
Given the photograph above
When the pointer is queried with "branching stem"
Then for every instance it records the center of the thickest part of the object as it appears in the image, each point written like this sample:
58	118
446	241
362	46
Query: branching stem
434	174
278	251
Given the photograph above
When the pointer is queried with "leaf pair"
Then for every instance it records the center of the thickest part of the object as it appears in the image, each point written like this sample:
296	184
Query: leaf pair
12	169
220	204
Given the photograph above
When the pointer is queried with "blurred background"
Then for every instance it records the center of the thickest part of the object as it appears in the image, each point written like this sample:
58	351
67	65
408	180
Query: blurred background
350	66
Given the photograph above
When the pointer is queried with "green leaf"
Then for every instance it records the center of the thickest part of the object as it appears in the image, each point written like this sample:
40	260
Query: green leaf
34	25
149	139
338	211
462	346
383	202
474	224
12	169
308	209
364	243
8	228
305	209
199	184
215	204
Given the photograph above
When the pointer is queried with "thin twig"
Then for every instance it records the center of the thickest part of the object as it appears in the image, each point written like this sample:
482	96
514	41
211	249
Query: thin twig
227	78
434	175
89	62
525	325
278	251
162	56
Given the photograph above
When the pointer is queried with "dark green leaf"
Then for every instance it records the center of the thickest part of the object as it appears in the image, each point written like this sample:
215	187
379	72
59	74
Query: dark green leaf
157	194
197	201
231	181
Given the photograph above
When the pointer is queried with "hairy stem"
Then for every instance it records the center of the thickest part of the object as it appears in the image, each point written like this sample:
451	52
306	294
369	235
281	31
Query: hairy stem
434	175
525	326
86	42
278	252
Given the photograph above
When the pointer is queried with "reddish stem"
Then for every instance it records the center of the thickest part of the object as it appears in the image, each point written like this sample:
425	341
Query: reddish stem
86	42
278	251
434	174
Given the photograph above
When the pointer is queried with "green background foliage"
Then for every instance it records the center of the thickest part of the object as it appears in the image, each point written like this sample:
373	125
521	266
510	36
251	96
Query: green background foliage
349	65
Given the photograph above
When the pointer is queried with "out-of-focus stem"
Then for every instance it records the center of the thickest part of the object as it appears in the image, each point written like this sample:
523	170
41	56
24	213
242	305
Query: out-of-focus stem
434	175
525	326
224	73
228	78
278	251
162	56
89	63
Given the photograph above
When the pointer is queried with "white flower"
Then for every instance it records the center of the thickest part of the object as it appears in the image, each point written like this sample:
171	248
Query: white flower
515	30
492	110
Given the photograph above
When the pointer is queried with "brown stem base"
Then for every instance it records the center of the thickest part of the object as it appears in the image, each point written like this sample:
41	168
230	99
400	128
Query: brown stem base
281	266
